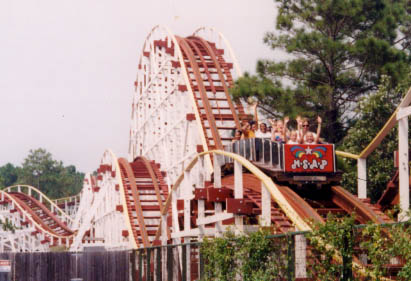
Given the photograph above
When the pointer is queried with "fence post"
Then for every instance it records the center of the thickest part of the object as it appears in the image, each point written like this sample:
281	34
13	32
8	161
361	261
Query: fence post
158	266
403	168
347	257
133	265
362	177
148	264
238	194
140	265
290	257
201	261
184	261
300	256
170	259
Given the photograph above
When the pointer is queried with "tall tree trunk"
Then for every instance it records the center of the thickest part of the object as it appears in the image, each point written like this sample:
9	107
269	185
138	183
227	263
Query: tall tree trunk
332	128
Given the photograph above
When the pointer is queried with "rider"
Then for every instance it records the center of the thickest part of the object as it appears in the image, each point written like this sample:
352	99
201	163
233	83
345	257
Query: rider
261	129
306	136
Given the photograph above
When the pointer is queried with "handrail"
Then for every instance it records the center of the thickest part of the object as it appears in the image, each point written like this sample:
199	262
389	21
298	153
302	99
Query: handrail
381	134
267	182
28	216
347	154
387	127
9	188
66	199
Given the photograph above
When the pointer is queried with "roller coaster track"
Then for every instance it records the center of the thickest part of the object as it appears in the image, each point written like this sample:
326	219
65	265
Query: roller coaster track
31	217
146	193
210	77
205	78
172	187
30	193
365	211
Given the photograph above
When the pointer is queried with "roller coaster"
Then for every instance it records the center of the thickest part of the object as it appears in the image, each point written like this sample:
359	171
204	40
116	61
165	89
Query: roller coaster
184	178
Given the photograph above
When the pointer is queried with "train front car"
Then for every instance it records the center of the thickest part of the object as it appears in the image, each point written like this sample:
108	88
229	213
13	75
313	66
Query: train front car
299	165
309	164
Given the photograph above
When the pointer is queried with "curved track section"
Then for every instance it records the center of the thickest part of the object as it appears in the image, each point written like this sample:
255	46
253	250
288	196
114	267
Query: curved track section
127	195
30	192
181	105
102	209
35	226
281	223
211	221
145	194
365	212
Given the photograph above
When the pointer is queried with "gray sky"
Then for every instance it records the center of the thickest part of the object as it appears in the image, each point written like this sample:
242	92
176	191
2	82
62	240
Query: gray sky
67	68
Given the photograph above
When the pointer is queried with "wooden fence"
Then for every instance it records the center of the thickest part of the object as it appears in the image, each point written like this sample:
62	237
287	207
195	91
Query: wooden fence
64	266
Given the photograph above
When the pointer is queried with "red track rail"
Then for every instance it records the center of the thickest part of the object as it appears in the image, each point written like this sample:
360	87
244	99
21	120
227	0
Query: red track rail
210	78
252	193
145	192
364	210
55	231
41	214
342	202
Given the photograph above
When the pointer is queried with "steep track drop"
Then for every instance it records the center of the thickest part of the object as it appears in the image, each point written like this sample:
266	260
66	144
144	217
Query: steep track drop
210	77
146	193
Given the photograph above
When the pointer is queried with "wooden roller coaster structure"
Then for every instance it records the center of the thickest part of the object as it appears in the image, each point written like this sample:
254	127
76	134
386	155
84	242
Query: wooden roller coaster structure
184	179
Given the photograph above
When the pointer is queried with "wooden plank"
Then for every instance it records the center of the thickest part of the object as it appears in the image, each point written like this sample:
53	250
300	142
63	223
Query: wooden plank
218	194
200	194
239	206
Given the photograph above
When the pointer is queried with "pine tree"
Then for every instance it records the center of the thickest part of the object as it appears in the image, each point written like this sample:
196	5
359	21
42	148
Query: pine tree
338	50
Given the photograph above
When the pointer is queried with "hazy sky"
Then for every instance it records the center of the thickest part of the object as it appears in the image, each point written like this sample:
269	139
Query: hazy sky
67	67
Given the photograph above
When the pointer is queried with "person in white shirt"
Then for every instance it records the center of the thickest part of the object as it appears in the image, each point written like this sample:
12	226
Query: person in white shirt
261	131
293	138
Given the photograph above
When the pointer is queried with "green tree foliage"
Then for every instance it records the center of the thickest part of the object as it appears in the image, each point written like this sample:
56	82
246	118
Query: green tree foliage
51	176
333	252
8	175
337	241
374	111
39	169
330	240
250	257
338	50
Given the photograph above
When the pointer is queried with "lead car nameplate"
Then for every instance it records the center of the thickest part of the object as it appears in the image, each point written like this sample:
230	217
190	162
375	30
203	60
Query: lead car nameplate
310	178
